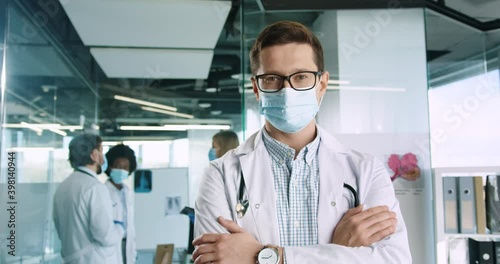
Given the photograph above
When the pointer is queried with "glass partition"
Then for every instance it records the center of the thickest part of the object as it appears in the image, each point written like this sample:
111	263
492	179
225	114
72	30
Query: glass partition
463	94
64	75
47	101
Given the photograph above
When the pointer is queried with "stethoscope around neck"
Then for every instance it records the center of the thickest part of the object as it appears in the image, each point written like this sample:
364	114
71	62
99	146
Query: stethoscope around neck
242	205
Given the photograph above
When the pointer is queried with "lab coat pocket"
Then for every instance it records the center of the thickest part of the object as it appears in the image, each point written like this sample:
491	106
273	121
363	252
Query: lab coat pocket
347	201
117	212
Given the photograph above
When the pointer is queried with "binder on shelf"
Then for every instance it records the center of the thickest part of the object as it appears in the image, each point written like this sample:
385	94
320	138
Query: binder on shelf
497	252
481	252
450	186
480	205
466	205
493	203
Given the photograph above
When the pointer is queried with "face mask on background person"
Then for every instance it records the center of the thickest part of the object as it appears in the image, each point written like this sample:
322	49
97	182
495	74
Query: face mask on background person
289	110
211	154
104	165
118	175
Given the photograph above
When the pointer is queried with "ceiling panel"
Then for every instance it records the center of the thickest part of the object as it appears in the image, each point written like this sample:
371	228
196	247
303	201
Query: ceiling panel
148	23
154	63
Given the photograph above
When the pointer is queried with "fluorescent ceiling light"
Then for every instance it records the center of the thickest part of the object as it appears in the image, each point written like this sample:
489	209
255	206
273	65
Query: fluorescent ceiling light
141	102
211	90
199	127
338	82
149	128
366	88
110	143
239	76
140	142
23	149
134	142
216	112
71	128
175	127
34	128
151	109
57	131
42	126
204	105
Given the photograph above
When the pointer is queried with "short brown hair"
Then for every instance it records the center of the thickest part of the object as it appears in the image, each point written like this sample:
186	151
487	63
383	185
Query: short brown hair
285	32
227	140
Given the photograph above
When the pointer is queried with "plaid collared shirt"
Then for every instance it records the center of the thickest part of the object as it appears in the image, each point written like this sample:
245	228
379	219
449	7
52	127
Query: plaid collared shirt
296	183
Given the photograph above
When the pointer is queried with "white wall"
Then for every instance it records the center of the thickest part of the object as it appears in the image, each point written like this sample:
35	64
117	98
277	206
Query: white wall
465	122
384	50
200	142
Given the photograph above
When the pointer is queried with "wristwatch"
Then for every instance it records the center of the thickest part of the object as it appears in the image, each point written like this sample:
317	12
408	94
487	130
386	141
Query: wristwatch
268	255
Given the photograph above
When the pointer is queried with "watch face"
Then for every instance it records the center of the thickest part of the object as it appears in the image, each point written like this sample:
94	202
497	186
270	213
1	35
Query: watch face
268	256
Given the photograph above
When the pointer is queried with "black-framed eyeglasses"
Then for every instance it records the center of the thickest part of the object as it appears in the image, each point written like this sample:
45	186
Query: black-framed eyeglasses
300	81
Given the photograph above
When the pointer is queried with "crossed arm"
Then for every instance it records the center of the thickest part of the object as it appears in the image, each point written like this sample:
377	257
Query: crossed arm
377	235
356	229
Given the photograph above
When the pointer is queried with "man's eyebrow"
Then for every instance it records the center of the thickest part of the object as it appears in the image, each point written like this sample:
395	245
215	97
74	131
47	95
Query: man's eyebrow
277	72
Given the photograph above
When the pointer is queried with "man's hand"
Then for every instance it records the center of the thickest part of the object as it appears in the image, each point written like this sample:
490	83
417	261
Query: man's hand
236	247
358	228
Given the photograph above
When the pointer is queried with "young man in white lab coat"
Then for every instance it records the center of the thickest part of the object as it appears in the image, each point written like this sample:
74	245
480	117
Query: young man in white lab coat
83	214
122	162
280	196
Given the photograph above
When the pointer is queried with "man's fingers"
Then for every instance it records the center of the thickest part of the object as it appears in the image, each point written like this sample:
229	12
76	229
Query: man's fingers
205	258
353	211
381	222
206	238
383	233
370	212
231	226
204	249
382	217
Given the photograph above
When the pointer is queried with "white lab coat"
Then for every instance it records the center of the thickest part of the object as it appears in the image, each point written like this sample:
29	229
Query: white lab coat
118	208
83	219
219	188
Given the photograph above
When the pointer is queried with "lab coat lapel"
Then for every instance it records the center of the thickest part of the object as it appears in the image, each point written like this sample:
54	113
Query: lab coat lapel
332	177
259	183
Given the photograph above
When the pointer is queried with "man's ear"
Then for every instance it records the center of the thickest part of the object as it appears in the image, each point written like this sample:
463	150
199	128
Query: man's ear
255	88
94	155
323	83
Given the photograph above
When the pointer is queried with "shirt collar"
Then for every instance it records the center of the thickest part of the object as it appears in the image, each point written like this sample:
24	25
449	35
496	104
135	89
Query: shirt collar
281	152
91	172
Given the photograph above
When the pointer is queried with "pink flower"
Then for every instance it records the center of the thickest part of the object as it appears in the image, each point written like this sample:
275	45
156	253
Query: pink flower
406	168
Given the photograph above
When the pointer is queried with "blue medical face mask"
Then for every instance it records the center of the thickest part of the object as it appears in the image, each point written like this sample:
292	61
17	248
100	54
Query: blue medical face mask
289	110
211	154
104	165
118	175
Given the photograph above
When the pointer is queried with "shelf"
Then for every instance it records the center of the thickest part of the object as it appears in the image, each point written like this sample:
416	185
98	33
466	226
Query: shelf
479	236
442	239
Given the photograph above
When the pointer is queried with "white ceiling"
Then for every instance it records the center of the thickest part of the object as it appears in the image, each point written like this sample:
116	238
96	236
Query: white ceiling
154	63
148	23
188	30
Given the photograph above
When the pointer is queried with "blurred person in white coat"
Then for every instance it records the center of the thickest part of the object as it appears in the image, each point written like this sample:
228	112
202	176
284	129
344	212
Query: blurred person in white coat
122	162
289	194
83	214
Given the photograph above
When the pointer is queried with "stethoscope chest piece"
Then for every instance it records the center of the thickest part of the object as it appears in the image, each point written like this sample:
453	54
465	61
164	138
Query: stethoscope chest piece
241	208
